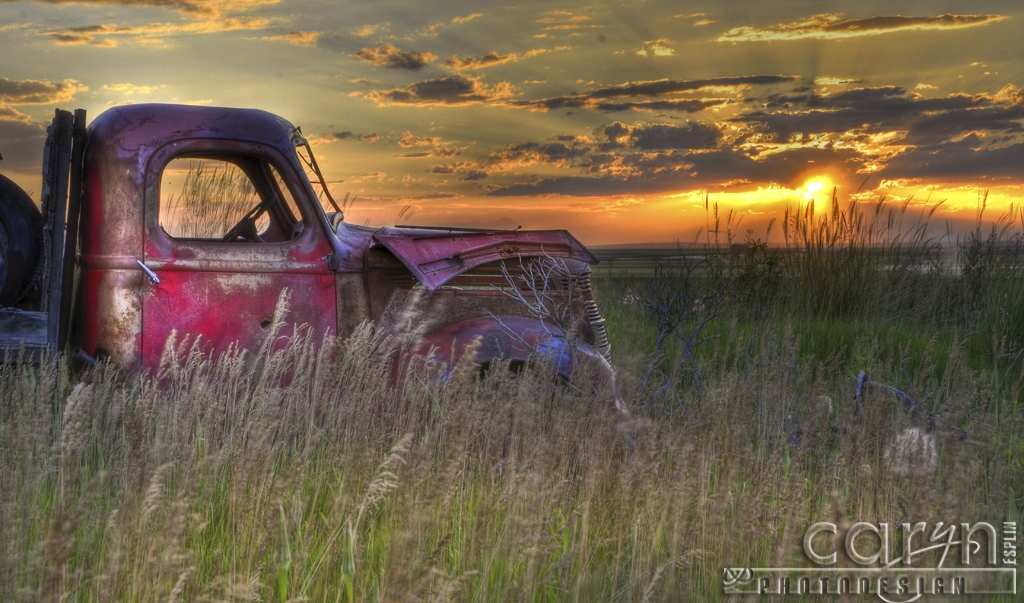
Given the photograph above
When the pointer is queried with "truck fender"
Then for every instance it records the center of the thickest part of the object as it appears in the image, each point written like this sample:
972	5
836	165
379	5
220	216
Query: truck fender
21	250
515	339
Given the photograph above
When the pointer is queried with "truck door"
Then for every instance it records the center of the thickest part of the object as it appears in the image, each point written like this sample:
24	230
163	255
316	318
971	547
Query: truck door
229	231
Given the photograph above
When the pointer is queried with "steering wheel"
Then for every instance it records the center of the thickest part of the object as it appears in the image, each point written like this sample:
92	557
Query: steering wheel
246	227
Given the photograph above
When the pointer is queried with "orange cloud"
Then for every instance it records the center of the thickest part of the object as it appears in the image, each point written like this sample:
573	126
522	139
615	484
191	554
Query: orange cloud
440	151
368	30
101	35
391	57
602	98
451	168
35	92
203	9
490	59
834	81
565	21
130	89
833	26
299	38
467	18
410	140
204	16
378	176
431	31
336	136
11	114
452	91
656	48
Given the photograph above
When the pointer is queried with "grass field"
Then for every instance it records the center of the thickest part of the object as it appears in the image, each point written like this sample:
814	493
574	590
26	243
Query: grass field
230	482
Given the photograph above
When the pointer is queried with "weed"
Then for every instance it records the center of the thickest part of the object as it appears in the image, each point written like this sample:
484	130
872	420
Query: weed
259	476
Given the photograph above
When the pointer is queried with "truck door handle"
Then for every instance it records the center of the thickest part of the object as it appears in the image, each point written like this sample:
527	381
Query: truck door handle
153	278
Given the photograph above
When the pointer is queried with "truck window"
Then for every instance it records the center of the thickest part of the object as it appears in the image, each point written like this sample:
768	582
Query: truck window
237	199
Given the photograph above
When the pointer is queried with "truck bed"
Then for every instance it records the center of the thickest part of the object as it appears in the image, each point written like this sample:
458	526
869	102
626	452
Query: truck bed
42	332
20	328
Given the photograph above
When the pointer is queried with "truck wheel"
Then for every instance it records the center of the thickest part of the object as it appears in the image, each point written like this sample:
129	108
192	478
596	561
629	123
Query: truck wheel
21	242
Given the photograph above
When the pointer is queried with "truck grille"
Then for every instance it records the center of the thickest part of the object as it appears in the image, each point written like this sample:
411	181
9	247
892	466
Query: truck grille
598	324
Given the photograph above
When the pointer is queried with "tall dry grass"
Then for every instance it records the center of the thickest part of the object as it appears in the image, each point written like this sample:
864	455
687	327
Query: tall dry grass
300	475
213	197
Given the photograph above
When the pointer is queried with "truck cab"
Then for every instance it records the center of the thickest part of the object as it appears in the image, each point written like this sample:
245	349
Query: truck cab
191	223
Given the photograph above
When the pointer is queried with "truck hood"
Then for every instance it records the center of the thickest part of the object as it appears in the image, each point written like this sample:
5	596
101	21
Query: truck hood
435	256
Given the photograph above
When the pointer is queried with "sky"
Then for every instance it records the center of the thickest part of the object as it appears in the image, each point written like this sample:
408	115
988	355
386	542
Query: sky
624	122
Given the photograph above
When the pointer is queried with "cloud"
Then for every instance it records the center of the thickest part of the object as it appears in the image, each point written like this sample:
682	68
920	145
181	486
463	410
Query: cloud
834	81
368	30
429	196
452	168
336	136
441	151
907	119
391	57
834	26
12	114
35	92
562	153
489	60
597	99
21	143
195	8
410	140
378	176
964	160
424	197
405	198
694	135
299	38
203	16
431	31
666	86
656	48
130	89
467	18
451	91
102	35
684	105
473	175
658	173
884	130
565	21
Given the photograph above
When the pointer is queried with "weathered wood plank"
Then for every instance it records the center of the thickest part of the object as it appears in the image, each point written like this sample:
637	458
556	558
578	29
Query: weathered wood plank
19	327
55	198
68	276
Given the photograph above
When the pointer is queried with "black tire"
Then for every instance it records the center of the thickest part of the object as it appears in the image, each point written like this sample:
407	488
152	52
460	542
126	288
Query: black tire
21	243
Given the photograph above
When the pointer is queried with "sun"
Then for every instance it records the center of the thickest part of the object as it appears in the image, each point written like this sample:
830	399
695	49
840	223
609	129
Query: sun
813	186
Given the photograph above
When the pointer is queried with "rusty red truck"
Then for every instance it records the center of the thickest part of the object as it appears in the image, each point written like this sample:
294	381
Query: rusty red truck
134	242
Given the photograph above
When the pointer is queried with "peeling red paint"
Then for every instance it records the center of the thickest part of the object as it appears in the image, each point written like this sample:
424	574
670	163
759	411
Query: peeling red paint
138	285
435	257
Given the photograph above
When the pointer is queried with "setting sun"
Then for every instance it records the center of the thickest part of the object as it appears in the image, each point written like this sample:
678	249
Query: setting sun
812	187
594	118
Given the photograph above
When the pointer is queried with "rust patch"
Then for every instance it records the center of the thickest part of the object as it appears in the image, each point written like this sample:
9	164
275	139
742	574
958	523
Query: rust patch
232	284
